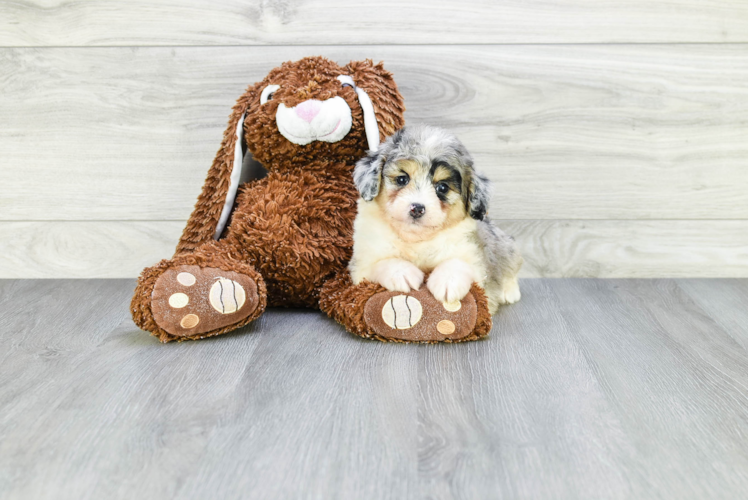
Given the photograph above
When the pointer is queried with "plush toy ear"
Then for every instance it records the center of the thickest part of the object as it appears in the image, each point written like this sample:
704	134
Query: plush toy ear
244	169
213	207
380	89
370	118
235	175
478	195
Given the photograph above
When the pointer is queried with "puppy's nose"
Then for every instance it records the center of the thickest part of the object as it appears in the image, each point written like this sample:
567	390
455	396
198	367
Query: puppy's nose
307	110
417	210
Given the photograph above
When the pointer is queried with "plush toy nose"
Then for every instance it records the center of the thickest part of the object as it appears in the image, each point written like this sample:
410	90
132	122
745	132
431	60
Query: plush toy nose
307	110
417	210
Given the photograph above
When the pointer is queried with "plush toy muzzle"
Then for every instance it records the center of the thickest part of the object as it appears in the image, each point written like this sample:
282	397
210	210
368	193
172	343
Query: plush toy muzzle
314	120
328	121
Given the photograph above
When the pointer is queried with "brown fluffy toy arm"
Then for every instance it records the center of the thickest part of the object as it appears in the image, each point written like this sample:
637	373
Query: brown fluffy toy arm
203	222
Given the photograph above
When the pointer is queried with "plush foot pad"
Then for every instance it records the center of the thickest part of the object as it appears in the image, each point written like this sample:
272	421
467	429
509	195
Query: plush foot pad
418	317
190	300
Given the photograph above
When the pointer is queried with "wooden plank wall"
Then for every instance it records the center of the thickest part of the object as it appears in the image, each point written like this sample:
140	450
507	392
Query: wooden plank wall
616	133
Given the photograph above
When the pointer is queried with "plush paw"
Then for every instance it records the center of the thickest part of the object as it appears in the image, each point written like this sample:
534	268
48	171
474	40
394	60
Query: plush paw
509	293
191	300
451	280
397	275
419	317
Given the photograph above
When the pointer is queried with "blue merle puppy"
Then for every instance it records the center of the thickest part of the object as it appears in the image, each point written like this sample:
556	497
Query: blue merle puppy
423	209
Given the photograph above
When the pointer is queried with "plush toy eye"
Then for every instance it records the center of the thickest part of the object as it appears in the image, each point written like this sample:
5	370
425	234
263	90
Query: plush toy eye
346	81
442	188
402	180
267	93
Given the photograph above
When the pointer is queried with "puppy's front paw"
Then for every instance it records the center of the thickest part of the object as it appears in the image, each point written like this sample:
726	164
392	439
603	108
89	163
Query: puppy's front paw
451	281
509	291
398	275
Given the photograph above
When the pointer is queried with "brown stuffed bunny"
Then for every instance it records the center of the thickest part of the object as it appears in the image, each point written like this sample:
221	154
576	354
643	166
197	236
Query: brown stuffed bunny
285	239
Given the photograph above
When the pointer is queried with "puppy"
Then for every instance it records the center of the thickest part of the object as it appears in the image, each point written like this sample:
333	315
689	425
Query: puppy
423	210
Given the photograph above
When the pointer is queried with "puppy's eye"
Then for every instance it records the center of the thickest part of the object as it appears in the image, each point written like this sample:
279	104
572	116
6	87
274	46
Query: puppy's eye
347	85
402	180
267	93
442	188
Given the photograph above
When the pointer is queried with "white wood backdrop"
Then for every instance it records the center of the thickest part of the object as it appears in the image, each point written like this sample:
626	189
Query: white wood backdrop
616	133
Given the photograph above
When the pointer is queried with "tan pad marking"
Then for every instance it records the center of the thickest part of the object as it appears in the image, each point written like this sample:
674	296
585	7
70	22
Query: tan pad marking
190	321
445	327
178	300
186	279
453	306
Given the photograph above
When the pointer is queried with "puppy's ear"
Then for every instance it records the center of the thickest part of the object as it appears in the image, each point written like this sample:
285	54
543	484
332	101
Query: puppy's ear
367	176
478	195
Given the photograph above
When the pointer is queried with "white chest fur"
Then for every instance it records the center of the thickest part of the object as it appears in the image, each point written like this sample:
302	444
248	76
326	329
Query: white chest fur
375	240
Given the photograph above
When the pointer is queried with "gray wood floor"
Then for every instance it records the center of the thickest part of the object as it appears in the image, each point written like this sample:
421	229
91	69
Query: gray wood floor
585	389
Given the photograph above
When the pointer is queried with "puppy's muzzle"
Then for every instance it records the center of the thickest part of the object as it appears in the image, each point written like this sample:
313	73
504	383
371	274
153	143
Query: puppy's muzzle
417	210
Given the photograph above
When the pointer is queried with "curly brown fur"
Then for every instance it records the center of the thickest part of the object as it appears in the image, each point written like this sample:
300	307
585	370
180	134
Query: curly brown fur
312	77
292	230
295	253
